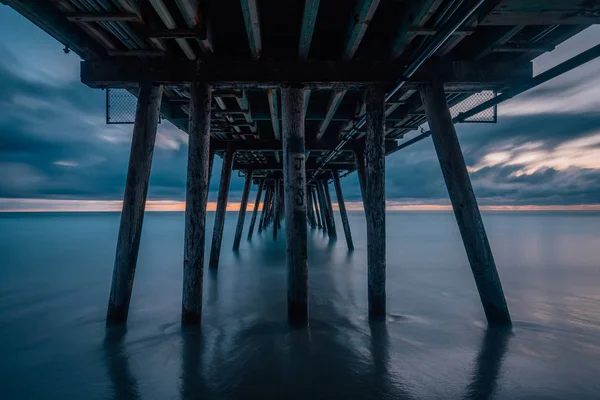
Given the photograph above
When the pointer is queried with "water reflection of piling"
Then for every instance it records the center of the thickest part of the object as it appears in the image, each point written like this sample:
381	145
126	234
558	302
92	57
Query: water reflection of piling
124	384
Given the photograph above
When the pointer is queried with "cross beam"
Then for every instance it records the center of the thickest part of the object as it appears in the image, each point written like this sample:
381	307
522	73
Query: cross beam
319	145
268	74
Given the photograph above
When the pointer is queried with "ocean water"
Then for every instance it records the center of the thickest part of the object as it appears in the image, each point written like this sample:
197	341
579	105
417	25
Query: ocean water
55	272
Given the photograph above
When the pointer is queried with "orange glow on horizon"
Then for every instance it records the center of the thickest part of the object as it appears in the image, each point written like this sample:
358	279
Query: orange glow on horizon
53	205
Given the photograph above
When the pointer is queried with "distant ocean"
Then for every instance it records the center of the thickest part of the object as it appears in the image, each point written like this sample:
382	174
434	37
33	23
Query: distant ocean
55	272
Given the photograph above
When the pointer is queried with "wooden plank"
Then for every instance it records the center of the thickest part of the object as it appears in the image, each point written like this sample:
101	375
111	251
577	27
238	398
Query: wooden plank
359	22
136	190
416	11
375	201
197	19
251	19
309	19
334	103
294	180
263	74
464	204
198	180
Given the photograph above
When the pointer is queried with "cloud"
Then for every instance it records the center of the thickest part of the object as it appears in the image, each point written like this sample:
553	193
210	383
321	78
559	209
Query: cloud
55	145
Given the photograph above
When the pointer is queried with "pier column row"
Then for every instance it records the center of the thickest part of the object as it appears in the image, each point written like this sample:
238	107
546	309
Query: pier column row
199	168
294	176
464	203
134	200
375	200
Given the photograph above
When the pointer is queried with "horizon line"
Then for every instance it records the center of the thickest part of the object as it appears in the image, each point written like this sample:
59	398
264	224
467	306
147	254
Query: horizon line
55	205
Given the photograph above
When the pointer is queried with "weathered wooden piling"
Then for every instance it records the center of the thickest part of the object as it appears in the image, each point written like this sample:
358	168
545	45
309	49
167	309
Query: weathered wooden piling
333	231
342	207
198	179
215	250
322	210
295	204
265	208
359	157
242	212
136	189
375	200
276	200
310	210
316	205
261	184
464	203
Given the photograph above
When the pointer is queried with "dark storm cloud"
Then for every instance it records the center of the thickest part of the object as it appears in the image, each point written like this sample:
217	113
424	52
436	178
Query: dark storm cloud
54	143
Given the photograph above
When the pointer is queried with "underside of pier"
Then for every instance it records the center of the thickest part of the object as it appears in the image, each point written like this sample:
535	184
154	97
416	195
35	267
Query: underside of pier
298	94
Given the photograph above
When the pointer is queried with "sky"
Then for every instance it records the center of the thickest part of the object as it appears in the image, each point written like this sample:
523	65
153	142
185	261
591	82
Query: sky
57	153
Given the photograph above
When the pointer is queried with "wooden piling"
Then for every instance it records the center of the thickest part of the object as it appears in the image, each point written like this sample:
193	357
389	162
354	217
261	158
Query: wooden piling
464	203
256	205
342	207
136	190
359	157
215	250
320	198
265	208
276	200
375	200
310	210
320	223
295	204
198	179
242	213
333	231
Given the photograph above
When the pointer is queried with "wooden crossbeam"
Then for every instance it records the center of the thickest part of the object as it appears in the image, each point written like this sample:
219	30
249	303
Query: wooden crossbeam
457	75
250	13
270	145
309	19
195	18
275	166
415	13
359	22
99	17
334	103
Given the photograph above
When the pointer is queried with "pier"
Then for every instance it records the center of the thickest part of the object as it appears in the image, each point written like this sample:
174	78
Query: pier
297	95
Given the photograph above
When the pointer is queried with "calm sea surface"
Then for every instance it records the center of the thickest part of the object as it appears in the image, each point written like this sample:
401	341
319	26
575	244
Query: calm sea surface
55	272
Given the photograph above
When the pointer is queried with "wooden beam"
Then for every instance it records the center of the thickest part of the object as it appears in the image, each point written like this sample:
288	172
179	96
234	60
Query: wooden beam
333	231
274	110
309	19
523	48
195	18
334	103
464	203
359	22
278	166
179	33
320	145
251	19
99	17
222	74
414	14
420	31
166	17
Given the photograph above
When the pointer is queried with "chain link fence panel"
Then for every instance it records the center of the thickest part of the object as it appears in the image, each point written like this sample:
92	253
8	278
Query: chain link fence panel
489	115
